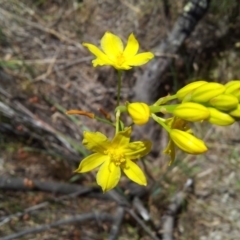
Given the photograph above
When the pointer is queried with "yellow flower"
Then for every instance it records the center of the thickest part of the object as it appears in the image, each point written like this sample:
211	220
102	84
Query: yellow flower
115	55
139	112
114	156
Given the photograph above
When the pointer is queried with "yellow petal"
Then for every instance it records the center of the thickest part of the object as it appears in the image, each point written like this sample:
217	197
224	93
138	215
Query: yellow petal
139	59
122	138
131	48
136	150
95	141
91	162
123	66
108	176
102	58
135	173
112	45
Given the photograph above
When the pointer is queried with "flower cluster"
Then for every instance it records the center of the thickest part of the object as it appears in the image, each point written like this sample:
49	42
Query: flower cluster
198	101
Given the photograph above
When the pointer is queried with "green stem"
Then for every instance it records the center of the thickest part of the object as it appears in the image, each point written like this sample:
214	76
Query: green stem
163	100
104	121
161	121
119	86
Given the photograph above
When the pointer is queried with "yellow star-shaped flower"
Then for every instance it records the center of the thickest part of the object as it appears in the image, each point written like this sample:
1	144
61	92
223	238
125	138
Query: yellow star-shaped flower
114	156
115	55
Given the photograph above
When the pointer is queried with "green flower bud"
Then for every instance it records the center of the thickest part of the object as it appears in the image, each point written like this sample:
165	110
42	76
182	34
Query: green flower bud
183	92
139	112
224	102
187	142
220	118
191	112
207	91
235	112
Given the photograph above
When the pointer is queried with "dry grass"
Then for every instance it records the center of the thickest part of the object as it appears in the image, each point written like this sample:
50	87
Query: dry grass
41	52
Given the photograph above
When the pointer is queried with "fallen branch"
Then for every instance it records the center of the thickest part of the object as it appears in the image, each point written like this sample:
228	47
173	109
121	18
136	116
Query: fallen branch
78	218
6	219
25	184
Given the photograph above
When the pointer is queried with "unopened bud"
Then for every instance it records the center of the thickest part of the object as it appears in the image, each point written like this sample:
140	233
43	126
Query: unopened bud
191	112
224	102
183	92
207	91
139	112
187	142
232	86
220	118
235	112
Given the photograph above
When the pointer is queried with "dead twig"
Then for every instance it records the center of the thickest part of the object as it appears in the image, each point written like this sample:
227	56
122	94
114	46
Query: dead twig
116	224
36	207
174	208
78	218
142	224
25	184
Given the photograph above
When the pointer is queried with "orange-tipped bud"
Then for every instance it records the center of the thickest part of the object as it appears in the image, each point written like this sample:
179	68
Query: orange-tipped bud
80	112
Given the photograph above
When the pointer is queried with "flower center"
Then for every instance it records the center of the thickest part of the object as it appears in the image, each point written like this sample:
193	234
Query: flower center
116	156
120	59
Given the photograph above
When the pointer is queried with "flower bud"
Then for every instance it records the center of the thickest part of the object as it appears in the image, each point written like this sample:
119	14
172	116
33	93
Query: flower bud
224	102
220	118
187	142
139	112
207	91
237	94
191	112
235	112
232	86
183	92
